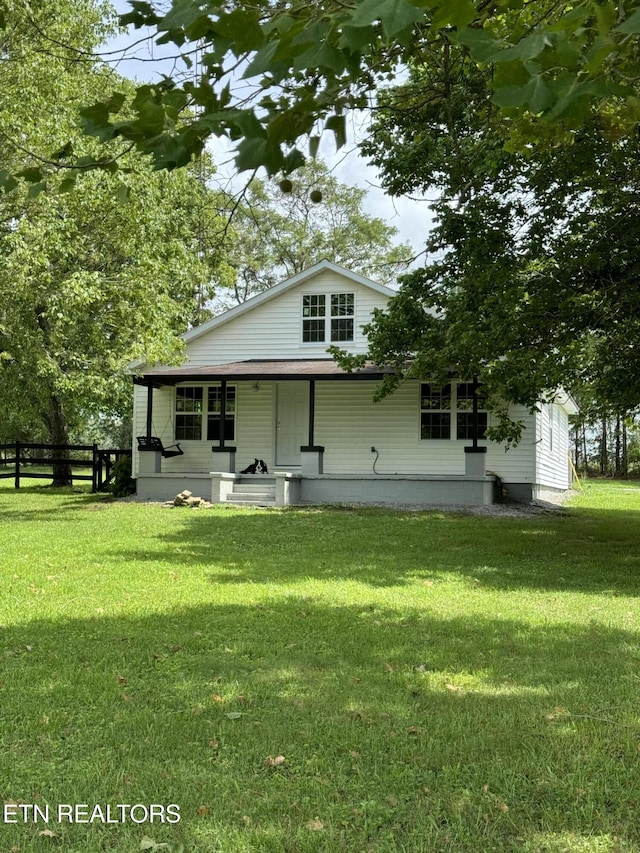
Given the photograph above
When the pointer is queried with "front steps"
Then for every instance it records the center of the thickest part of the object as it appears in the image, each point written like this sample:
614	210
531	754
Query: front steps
253	491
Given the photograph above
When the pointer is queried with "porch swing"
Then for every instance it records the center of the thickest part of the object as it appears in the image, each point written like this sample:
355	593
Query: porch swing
153	442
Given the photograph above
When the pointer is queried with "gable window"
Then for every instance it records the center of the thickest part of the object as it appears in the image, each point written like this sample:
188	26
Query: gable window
313	317
199	410
342	310
435	411
327	317
464	413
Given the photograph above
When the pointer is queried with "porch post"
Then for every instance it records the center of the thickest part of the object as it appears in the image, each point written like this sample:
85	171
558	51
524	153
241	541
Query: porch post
311	456
475	412
224	458
312	409
149	458
149	409
223	410
474	460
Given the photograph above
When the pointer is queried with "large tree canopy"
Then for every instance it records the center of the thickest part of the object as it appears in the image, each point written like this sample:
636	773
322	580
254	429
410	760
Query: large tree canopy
90	279
303	65
533	273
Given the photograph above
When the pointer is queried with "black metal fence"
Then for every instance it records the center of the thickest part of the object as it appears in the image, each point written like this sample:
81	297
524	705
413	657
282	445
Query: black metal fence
18	459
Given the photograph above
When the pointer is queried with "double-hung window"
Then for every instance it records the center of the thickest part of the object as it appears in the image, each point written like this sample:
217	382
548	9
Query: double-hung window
199	413
314	312
464	415
446	411
435	411
327	317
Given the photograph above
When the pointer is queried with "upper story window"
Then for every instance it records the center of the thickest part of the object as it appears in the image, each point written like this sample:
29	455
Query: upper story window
439	404
199	412
327	317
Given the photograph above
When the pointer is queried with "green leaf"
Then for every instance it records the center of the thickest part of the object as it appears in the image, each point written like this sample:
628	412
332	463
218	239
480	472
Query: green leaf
31	174
631	25
142	15
67	185
606	14
3	20
262	61
233	715
338	126
122	193
454	13
7	181
242	28
314	145
294	160
395	15
63	152
255	152
482	46
36	189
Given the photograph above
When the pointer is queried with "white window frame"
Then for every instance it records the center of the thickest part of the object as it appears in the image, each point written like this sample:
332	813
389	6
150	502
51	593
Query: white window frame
206	411
328	316
453	411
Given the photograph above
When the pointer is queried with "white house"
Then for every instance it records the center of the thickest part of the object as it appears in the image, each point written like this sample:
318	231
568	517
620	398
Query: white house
258	384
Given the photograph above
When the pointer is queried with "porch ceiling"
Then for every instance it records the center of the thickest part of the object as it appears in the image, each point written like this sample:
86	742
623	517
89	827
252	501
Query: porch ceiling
254	369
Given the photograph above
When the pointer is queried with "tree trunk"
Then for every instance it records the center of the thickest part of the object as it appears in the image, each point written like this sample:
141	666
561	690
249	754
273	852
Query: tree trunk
584	450
618	450
625	456
59	435
604	454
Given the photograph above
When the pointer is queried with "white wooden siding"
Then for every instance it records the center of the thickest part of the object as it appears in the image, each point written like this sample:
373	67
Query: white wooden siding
347	423
274	329
254	428
552	448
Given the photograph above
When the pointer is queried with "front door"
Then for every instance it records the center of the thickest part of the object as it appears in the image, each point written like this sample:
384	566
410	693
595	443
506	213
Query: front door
292	421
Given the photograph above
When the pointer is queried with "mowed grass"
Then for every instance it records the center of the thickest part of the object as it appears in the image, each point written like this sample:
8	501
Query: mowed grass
321	679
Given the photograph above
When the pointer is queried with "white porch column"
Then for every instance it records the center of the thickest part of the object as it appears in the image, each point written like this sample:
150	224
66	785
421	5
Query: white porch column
224	459
311	460
149	461
474	461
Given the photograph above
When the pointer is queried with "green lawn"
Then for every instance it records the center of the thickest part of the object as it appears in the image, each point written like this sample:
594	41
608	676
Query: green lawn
320	679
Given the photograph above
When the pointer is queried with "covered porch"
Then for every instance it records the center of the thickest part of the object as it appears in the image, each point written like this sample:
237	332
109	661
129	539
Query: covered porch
315	426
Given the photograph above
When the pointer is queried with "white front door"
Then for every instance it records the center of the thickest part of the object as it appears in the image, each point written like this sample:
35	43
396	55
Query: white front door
292	421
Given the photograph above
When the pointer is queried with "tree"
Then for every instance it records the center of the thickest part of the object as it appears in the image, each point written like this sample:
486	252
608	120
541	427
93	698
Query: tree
92	279
535	277
304	65
280	228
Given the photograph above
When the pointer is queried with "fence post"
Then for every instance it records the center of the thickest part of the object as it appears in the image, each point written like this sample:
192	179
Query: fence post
94	481
17	480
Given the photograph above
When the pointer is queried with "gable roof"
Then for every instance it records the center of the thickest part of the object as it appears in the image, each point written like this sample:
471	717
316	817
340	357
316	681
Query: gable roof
278	290
272	293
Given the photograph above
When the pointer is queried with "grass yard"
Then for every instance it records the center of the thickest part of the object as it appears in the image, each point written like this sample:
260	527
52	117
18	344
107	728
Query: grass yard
319	679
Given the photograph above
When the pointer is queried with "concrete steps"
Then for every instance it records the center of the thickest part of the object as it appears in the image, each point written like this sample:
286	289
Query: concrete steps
254	492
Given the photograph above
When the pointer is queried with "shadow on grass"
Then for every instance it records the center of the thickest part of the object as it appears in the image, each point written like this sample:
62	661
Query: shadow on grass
595	550
395	729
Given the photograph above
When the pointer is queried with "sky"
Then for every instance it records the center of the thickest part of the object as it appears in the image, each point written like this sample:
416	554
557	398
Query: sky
143	61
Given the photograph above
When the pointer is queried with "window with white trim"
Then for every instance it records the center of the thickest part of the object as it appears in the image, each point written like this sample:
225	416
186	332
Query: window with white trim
438	404
464	412
199	413
327	317
435	411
